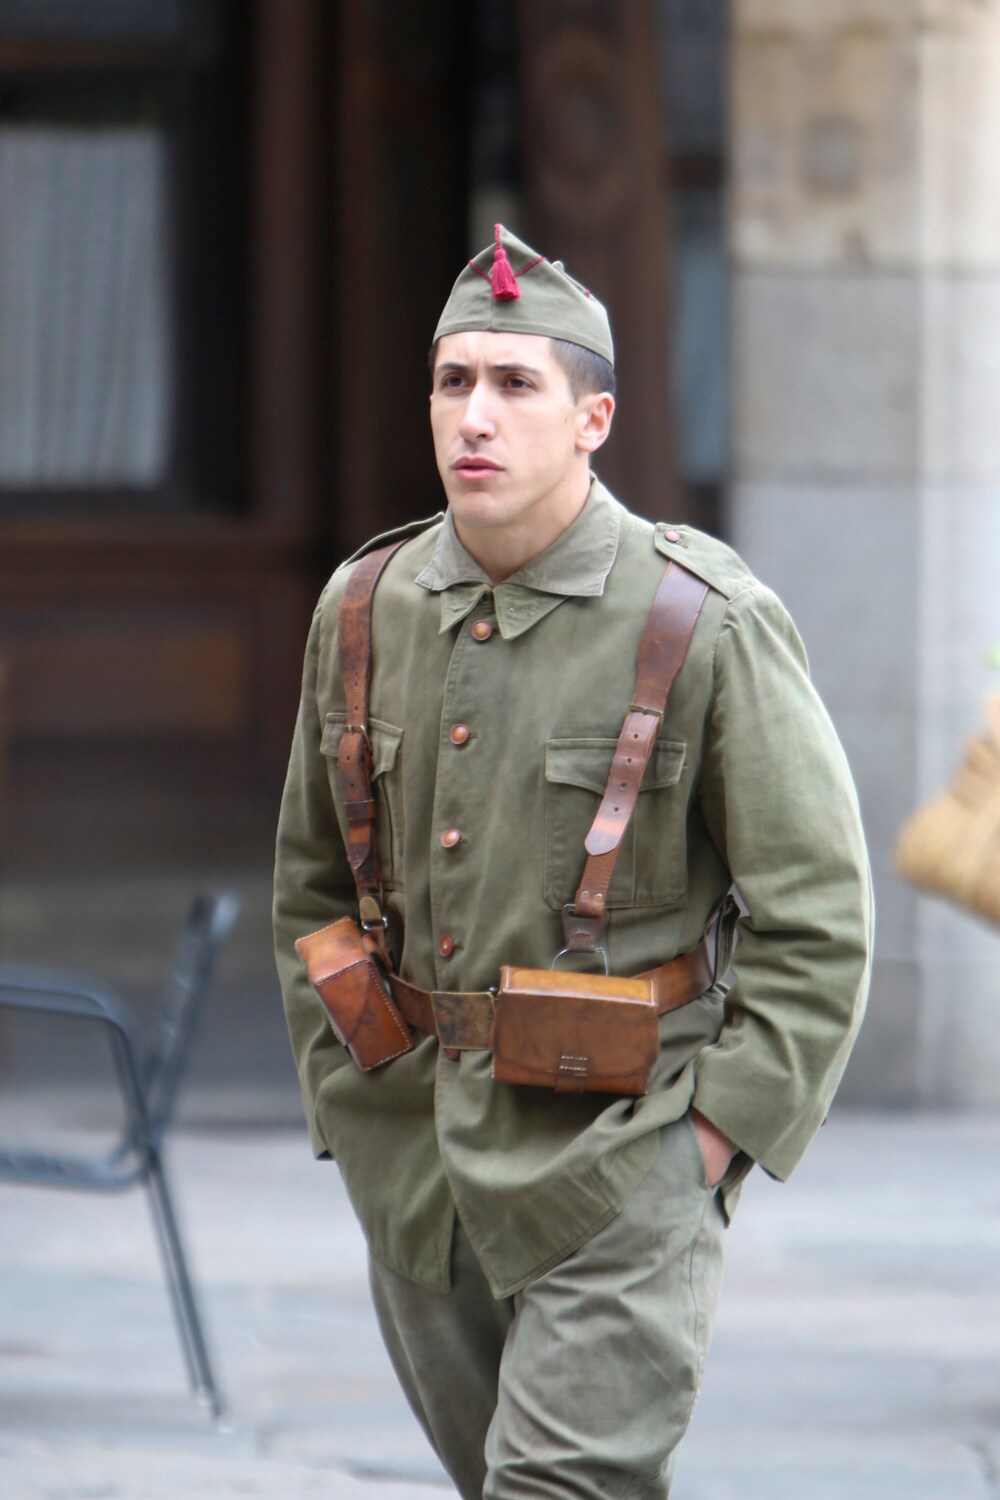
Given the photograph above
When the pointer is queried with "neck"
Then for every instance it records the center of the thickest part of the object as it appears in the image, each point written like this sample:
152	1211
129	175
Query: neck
502	550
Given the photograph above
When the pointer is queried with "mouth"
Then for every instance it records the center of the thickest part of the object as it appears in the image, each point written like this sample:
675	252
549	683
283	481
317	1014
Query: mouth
471	467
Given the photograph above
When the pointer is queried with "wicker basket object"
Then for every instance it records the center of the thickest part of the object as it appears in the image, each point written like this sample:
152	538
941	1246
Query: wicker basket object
951	846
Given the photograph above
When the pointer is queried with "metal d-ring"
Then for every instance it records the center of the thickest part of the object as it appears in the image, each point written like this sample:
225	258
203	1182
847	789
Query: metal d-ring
598	949
578	930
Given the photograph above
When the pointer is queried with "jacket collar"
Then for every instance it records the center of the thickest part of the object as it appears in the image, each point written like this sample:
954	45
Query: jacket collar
576	565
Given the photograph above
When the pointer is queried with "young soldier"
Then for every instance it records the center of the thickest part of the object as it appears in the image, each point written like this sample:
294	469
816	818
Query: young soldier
545	1262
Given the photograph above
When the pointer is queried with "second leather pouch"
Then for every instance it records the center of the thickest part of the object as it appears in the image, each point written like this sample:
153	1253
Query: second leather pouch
574	1033
354	989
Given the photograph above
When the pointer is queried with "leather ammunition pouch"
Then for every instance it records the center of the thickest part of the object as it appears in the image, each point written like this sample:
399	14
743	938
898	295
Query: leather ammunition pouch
575	1032
352	983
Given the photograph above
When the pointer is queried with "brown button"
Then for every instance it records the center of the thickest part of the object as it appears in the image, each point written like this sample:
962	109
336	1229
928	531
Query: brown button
459	733
672	536
482	630
446	946
451	837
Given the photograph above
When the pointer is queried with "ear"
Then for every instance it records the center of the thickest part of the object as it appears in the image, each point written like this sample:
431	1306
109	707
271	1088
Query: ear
594	421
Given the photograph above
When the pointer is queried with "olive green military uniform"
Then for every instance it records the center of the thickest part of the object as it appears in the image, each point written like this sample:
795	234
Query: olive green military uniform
494	712
545	1267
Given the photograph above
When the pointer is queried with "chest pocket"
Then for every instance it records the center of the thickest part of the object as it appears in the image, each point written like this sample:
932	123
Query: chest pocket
652	861
387	789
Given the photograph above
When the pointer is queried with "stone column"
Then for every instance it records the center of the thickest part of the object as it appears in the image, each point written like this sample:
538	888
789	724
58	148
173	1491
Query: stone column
865	237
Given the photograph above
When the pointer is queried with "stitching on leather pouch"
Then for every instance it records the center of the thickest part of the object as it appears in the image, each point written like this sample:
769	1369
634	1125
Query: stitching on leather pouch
393	1015
328	928
344	969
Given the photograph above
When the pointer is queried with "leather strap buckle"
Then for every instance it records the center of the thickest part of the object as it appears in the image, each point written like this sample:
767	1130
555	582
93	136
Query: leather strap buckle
581	934
463	1021
371	913
665	640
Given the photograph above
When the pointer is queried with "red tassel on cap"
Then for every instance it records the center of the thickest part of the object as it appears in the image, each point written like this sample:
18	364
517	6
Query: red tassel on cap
502	278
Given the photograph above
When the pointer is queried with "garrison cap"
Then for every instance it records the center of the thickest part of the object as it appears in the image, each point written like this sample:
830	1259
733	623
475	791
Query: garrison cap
510	288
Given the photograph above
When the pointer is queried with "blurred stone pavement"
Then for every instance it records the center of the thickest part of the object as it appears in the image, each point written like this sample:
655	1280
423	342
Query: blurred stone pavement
857	1354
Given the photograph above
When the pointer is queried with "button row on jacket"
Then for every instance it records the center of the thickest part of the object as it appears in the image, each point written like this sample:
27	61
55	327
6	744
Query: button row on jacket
451	837
459	734
446	946
482	630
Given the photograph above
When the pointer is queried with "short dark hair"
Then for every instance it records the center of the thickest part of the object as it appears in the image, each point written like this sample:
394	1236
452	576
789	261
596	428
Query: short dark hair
587	373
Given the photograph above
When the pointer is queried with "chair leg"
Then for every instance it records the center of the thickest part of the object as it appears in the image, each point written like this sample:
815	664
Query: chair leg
173	1288
180	1287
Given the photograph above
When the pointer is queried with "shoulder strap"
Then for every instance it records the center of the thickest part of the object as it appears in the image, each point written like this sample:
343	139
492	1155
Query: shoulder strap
354	754
662	650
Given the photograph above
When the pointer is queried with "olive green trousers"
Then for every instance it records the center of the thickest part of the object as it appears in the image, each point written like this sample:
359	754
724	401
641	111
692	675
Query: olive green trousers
583	1383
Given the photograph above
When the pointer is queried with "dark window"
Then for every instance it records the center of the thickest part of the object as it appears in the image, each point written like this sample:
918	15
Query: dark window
123	221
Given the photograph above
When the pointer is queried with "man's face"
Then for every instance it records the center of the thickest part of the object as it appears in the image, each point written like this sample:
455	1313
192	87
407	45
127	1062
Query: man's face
509	439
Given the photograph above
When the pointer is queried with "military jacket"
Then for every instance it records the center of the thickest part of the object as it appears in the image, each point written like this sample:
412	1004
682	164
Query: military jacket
495	710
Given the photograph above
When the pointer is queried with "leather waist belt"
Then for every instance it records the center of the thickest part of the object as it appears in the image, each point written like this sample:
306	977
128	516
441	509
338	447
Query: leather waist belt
462	1020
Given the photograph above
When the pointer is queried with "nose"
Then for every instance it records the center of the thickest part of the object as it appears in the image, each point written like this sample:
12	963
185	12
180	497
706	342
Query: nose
477	415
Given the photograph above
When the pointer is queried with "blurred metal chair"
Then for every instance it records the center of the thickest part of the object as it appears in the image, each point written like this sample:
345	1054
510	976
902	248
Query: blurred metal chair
149	1079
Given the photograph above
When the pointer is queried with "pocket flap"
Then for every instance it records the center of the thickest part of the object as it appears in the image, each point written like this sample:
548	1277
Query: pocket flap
586	762
385	740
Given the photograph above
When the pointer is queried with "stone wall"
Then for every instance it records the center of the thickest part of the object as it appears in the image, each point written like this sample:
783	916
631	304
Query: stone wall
865	244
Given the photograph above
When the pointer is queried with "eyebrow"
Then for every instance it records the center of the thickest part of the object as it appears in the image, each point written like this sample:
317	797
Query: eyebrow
455	367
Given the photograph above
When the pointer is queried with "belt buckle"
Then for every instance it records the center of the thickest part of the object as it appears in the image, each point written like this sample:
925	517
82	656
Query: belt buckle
459	1020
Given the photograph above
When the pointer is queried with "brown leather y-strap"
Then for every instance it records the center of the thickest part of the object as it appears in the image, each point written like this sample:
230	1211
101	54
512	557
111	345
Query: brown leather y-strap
662	650
354	754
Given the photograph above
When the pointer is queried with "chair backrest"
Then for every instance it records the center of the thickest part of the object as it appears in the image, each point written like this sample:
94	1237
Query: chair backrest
208	925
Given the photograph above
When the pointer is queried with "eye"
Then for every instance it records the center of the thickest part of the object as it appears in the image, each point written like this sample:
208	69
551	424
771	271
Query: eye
451	381
517	383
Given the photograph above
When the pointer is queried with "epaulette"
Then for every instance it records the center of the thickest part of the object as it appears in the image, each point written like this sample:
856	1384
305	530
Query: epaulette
397	534
718	565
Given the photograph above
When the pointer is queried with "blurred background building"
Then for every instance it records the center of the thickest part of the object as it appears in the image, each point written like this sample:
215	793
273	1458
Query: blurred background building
226	230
